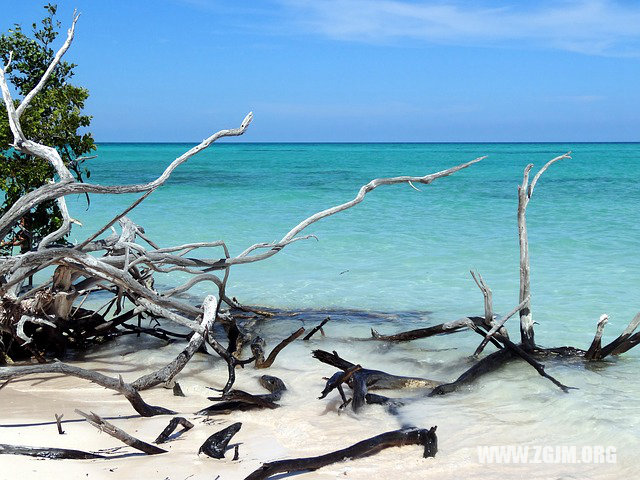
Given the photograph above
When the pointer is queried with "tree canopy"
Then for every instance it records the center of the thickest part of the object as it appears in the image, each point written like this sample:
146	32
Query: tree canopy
53	118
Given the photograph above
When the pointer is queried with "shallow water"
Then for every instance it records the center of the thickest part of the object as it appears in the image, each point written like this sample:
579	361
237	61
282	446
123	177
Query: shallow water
513	406
400	249
407	254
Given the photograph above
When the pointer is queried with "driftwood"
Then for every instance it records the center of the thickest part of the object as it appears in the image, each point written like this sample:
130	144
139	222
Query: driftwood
315	329
336	381
216	445
525	190
239	400
177	390
168	372
258	352
624	342
59	423
121	435
441	329
365	448
498	326
43	452
488	364
130	393
122	265
376	379
169	429
361	380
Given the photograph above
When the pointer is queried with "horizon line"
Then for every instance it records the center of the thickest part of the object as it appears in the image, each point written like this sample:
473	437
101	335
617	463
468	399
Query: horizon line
581	142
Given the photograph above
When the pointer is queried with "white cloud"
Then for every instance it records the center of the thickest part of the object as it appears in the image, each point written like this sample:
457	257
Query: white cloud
596	27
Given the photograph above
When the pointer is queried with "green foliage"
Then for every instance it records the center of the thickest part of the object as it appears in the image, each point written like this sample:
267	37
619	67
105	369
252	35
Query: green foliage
53	118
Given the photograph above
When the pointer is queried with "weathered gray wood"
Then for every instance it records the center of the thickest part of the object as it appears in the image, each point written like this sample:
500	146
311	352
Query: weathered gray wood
619	344
110	429
130	393
59	423
593	353
498	326
169	371
525	190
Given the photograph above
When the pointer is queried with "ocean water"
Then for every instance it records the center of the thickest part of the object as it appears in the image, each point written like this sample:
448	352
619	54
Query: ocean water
400	250
407	254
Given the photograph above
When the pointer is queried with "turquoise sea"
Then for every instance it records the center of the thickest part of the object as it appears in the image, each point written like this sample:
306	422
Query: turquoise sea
405	256
401	250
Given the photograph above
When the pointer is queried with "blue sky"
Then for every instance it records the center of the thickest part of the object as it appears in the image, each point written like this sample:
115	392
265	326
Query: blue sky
356	70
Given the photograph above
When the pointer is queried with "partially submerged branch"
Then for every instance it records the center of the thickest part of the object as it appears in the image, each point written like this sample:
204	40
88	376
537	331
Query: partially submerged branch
525	190
365	448
258	352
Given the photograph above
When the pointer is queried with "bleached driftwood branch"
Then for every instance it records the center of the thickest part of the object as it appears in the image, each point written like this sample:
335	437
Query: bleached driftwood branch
525	190
130	393
110	429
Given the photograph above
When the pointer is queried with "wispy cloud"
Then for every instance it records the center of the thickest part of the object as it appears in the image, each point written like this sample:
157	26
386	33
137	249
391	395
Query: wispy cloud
594	27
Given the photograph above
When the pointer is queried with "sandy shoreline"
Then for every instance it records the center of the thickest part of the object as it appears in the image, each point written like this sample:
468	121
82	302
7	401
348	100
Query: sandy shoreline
303	426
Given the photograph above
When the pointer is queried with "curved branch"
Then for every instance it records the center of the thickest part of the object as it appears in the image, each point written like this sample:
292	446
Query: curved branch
168	372
67	186
544	169
372	185
54	63
118	385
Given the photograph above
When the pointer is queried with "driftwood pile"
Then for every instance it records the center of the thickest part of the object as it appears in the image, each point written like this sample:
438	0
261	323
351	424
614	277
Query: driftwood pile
42	322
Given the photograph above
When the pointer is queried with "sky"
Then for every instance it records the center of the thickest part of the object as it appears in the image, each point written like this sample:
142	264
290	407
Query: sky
355	70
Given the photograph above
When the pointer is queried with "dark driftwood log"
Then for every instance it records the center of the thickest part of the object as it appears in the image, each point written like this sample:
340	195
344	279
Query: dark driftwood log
376	379
392	404
169	429
337	379
216	444
623	342
231	360
361	380
42	452
487	364
562	352
365	448
239	400
628	344
121	435
443	328
130	393
359	386
256	348
518	350
177	390
315	329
